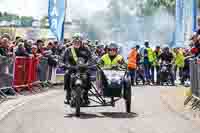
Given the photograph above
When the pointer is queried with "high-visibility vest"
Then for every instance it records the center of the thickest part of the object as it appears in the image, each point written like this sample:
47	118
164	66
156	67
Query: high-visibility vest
74	54
155	57
150	55
107	61
179	59
132	59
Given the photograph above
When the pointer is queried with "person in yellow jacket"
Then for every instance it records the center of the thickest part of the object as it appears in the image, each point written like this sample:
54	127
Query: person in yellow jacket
133	59
148	62
112	58
179	61
156	65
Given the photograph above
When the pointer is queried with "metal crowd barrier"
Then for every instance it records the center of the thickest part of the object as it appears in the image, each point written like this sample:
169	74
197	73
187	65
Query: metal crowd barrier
22	73
6	76
195	77
194	99
25	73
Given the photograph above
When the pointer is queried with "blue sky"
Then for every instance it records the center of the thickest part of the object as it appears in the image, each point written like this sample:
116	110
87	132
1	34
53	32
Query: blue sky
38	8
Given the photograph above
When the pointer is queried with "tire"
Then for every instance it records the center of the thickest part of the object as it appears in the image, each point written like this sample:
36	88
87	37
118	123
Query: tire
78	101
128	99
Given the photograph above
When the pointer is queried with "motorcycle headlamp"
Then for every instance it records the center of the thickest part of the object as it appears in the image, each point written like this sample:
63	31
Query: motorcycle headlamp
78	82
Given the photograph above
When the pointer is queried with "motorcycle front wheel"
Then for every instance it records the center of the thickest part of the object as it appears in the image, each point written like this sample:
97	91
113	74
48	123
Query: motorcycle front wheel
78	101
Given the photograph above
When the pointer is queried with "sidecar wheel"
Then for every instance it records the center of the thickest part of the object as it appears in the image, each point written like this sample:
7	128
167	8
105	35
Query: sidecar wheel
128	94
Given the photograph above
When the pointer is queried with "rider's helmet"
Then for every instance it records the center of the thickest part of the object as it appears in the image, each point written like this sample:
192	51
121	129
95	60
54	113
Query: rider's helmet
77	37
77	40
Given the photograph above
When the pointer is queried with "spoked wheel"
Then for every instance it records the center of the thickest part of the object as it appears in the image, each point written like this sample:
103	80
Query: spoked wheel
78	101
128	100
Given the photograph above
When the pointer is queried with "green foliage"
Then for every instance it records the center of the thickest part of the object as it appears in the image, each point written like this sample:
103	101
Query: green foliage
26	21
44	22
151	5
8	17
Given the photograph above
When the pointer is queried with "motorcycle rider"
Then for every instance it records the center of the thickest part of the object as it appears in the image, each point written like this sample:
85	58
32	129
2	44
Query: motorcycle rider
70	58
167	56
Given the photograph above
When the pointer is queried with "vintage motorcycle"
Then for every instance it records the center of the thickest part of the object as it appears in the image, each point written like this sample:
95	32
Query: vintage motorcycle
110	86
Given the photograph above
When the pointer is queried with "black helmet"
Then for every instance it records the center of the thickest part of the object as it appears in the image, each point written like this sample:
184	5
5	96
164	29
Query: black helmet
158	47
146	43
137	46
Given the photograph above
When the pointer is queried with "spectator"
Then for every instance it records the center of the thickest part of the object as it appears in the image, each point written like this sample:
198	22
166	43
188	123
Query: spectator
156	65
34	51
21	51
6	35
132	63
40	45
4	45
148	62
179	62
198	23
28	46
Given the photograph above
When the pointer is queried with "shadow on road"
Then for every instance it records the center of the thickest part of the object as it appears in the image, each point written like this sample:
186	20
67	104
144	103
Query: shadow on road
119	115
116	115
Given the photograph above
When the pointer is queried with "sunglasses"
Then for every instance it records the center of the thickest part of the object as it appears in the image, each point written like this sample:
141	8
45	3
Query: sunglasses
112	49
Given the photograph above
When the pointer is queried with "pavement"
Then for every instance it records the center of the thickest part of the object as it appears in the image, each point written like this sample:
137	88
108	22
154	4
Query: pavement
175	100
155	110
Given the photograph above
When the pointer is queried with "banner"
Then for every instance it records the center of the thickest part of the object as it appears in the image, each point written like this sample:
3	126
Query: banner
179	32
56	14
186	21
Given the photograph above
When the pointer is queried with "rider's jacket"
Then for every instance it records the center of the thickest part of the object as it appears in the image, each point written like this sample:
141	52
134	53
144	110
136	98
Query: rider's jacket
132	59
108	62
72	54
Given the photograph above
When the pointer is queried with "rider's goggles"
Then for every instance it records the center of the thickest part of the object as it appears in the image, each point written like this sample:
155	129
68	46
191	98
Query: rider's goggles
77	41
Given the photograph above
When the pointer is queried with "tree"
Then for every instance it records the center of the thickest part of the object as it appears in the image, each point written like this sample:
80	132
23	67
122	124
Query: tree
26	21
44	22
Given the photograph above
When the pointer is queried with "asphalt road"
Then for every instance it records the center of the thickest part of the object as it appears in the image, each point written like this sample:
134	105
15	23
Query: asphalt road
48	114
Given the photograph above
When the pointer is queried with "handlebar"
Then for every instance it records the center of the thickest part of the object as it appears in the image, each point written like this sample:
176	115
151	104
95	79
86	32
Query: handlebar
78	66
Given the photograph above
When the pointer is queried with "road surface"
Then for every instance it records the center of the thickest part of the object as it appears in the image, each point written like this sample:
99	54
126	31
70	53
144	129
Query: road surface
48	114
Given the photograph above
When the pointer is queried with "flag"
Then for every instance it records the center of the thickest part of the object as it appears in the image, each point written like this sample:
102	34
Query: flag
56	15
194	15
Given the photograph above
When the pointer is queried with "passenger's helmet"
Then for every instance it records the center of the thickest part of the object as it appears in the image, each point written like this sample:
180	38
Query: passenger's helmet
113	46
